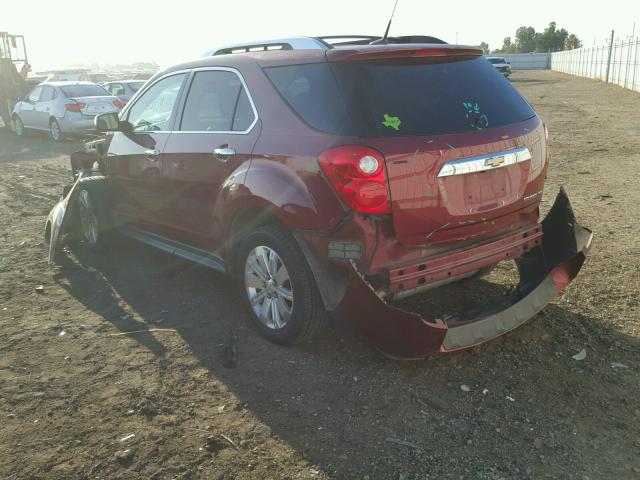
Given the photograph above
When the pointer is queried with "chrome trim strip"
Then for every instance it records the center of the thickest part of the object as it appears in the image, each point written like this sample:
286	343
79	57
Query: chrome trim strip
483	163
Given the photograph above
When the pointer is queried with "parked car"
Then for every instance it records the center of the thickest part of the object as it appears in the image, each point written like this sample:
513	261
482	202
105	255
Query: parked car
63	108
337	179
124	89
501	65
69	75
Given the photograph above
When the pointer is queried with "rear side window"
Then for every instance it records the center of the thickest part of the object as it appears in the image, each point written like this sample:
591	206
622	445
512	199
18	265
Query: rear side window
116	89
216	102
48	94
84	91
135	86
401	99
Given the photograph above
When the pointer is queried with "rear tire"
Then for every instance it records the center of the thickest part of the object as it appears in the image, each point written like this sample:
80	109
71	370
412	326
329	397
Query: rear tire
278	288
18	125
55	132
93	217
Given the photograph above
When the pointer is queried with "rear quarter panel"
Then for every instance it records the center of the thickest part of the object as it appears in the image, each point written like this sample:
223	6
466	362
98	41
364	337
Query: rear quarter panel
284	176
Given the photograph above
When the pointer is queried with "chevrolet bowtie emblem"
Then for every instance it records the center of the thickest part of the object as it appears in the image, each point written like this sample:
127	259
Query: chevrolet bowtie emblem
494	162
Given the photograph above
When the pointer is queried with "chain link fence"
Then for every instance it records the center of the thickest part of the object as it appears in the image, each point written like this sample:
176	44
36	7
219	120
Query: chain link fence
617	62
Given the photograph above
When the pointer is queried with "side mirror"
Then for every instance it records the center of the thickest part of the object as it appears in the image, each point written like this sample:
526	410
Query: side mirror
108	122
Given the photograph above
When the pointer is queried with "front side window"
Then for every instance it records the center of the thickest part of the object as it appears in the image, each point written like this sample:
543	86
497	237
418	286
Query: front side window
152	111
217	102
34	96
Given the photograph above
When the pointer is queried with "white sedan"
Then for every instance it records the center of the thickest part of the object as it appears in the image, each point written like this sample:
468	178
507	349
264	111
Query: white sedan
63	108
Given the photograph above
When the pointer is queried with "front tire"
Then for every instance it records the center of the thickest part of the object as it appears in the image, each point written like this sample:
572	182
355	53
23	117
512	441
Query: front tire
278	287
55	132
94	221
18	125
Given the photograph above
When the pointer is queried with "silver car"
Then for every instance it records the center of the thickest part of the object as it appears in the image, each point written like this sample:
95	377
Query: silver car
63	108
124	89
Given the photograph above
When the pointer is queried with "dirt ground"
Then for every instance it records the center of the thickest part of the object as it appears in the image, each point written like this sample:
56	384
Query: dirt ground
80	399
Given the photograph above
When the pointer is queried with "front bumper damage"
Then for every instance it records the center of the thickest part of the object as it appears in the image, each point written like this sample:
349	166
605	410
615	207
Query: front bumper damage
58	219
544	272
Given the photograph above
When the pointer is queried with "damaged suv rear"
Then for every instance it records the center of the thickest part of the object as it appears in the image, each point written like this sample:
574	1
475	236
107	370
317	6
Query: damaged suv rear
337	178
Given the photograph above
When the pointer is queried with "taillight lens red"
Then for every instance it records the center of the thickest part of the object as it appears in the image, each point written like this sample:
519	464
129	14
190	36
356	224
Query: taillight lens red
118	104
352	171
75	107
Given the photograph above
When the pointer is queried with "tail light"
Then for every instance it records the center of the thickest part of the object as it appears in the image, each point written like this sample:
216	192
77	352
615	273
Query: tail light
118	104
75	107
357	174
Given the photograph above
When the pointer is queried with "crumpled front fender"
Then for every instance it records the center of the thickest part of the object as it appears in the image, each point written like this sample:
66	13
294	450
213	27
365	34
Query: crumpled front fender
58	219
544	273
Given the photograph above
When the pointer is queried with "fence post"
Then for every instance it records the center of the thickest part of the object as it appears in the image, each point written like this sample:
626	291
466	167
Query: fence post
635	66
609	59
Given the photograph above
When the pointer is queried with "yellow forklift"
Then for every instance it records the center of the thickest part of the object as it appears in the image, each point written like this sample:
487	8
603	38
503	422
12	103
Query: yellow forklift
14	68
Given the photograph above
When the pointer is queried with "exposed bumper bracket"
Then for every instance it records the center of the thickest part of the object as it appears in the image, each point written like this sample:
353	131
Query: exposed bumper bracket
544	272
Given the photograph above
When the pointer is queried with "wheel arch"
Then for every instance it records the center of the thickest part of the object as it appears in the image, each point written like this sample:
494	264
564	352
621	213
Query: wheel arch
246	219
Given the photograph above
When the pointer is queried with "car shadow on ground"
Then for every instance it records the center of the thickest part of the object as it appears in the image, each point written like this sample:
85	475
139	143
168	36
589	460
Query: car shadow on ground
336	400
34	146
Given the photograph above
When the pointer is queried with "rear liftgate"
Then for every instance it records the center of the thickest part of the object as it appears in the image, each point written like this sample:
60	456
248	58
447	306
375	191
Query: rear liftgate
544	272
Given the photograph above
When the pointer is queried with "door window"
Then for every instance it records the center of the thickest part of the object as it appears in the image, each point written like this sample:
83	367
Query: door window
47	94
116	89
34	96
217	102
153	110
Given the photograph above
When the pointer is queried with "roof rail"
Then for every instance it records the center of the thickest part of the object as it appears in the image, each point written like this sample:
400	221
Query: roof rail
316	43
294	43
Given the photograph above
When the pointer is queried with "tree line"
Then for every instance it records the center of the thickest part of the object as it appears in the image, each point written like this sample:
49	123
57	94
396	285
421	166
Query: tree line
527	40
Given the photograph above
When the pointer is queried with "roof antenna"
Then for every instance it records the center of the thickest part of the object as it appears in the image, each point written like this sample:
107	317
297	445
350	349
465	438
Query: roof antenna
383	40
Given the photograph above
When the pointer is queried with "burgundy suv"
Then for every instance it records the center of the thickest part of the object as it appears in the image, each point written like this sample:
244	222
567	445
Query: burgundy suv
336	178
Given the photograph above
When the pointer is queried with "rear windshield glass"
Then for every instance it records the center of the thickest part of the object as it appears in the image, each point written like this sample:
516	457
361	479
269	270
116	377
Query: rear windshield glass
400	99
497	60
84	91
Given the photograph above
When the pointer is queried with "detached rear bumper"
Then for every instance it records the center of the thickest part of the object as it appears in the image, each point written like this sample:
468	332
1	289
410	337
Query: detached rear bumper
544	272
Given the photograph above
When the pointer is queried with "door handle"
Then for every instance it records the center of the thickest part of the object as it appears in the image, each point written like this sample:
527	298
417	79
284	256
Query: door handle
224	154
151	155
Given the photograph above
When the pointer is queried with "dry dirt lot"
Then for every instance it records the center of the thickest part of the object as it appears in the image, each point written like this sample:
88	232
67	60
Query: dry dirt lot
75	394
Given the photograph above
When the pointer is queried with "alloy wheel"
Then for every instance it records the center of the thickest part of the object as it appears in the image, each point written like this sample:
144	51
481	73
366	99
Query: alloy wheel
269	287
88	218
55	131
18	126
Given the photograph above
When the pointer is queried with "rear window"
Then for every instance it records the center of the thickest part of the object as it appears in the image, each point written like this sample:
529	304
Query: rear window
84	91
497	60
400	99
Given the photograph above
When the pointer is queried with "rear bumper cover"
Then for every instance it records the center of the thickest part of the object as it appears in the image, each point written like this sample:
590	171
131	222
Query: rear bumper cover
544	272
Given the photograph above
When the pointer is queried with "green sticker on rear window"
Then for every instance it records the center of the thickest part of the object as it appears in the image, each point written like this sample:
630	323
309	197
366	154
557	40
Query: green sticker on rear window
391	122
477	119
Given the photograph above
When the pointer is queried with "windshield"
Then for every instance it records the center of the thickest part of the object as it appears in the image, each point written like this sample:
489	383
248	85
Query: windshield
401	99
497	60
84	91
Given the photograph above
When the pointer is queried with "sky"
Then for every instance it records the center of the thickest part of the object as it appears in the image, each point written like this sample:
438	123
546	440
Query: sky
64	32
